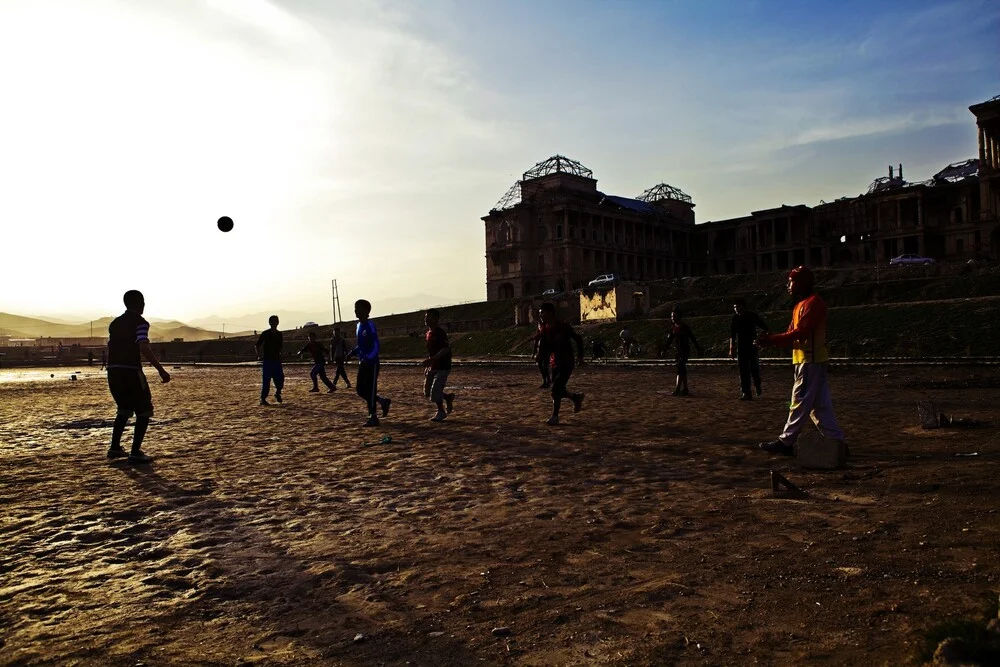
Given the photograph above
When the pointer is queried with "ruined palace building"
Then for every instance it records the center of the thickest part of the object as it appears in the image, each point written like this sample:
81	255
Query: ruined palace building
554	230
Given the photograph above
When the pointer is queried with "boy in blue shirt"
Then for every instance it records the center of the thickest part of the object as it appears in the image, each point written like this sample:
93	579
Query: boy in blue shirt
368	362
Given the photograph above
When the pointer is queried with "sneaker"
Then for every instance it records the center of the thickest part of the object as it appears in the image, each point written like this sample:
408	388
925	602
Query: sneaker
684	392
314	390
758	389
117	452
578	403
746	397
676	392
439	417
331	390
264	402
777	447
386	402
139	457
277	396
372	421
552	421
449	402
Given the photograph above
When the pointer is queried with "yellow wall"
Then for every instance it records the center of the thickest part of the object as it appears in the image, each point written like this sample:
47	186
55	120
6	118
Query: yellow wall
599	307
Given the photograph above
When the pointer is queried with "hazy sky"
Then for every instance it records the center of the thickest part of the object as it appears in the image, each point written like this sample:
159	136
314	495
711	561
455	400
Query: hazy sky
363	140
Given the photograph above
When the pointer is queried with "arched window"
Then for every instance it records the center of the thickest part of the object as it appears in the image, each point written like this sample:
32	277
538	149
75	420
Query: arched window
503	233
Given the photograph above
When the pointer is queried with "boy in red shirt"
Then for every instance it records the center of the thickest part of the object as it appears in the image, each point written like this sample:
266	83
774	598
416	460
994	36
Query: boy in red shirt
555	344
806	336
438	365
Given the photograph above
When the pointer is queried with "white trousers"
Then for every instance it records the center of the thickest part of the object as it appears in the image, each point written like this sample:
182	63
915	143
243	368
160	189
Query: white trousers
811	398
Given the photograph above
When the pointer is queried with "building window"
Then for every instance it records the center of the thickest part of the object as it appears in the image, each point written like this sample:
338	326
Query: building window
959	245
958	215
541	262
558	231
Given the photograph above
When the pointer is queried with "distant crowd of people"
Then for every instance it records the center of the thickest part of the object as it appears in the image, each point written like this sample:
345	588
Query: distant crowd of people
553	353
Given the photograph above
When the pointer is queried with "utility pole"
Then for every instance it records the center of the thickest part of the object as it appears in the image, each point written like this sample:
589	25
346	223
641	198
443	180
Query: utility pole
336	302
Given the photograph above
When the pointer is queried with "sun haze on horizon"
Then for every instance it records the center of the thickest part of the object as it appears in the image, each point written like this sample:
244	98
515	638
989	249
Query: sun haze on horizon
363	140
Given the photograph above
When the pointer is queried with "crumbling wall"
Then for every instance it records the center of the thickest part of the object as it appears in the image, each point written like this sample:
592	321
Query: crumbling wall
601	306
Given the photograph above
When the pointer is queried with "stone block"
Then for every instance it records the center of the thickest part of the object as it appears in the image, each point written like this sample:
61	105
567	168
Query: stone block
818	453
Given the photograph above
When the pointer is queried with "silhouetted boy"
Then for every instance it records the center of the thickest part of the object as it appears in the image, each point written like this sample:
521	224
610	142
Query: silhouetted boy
269	352
338	352
556	345
128	343
681	333
318	353
743	346
367	351
438	365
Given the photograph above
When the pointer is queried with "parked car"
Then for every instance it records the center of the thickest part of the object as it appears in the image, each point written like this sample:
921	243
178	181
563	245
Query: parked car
910	259
309	325
550	292
605	280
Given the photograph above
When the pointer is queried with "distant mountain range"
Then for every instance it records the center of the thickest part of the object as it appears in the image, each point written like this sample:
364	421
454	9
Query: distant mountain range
204	328
18	326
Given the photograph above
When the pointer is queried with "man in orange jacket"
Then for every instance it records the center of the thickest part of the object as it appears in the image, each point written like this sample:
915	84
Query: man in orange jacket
806	336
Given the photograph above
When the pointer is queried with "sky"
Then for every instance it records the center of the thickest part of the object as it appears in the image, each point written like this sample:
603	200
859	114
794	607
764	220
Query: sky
363	140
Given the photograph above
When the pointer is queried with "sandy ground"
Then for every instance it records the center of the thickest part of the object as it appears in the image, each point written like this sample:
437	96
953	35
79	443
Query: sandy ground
642	531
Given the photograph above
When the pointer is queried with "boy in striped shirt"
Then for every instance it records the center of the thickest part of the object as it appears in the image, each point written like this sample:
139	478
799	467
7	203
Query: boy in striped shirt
128	343
367	350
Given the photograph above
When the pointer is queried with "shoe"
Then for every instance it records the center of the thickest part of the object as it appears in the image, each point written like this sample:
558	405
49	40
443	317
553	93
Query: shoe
385	406
314	390
449	402
746	397
758	389
578	403
552	421
372	421
117	452
139	457
439	417
684	392
777	447
348	386
264	402
676	392
277	396
331	390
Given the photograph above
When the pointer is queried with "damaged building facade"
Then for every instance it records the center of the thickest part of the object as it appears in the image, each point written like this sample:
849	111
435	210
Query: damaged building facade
554	230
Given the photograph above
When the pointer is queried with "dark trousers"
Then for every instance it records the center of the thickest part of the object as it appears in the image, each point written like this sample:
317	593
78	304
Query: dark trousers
341	373
543	368
367	384
319	371
272	371
749	364
560	376
682	369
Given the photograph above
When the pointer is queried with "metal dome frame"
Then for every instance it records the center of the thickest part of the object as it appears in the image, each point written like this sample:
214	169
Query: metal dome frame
557	164
664	191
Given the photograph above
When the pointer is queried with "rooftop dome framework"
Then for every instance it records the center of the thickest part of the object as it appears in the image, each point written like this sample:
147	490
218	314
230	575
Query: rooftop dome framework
557	164
663	191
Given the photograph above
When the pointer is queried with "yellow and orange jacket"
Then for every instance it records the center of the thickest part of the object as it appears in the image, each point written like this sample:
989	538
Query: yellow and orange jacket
807	332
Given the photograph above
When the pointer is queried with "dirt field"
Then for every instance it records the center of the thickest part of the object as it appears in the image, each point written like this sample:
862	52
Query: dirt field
642	531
